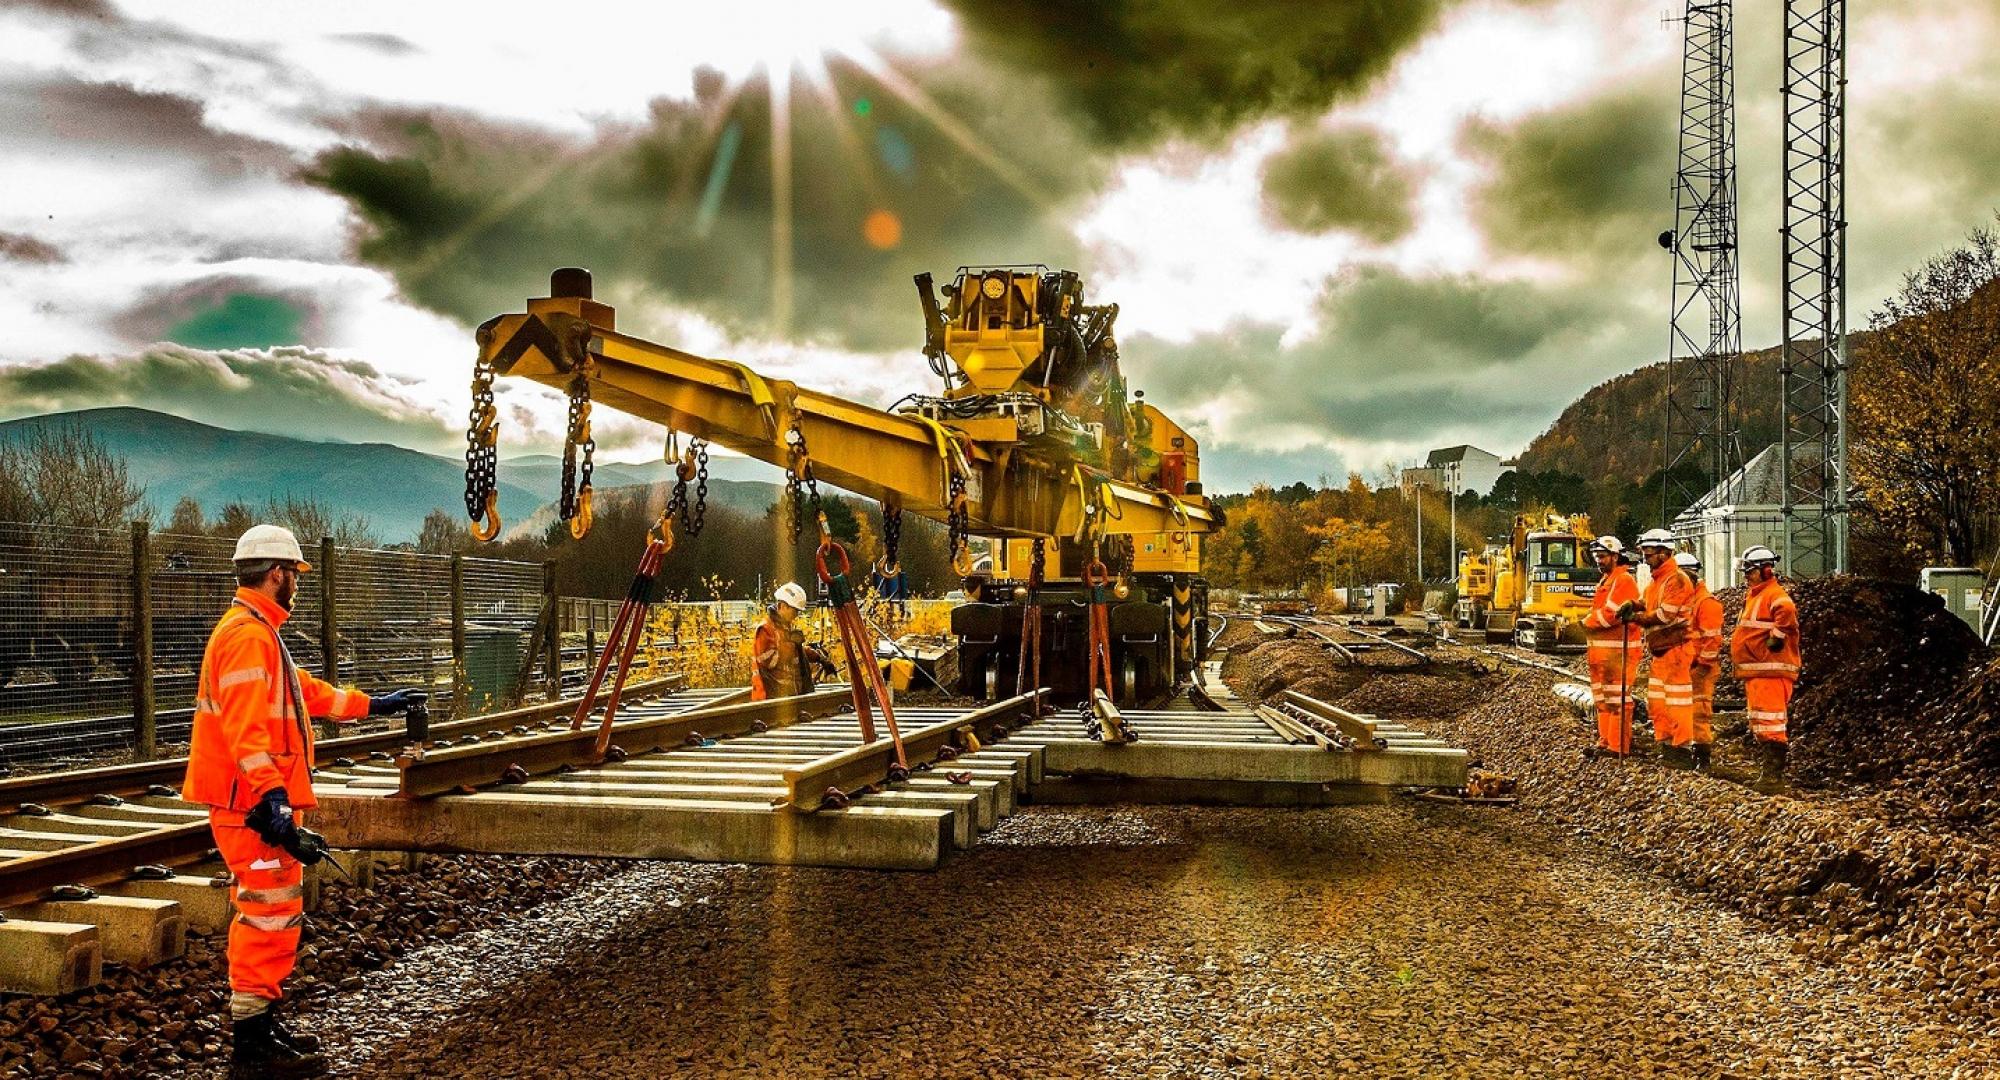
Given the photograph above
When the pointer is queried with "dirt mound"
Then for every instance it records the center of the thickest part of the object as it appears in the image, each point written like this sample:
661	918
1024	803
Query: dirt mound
1262	671
1886	667
1415	697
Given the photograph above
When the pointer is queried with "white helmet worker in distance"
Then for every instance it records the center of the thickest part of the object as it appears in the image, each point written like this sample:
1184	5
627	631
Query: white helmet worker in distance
1690	562
1607	544
793	596
271	543
1656	538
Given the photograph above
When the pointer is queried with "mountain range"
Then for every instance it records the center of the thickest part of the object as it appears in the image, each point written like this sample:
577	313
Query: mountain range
393	487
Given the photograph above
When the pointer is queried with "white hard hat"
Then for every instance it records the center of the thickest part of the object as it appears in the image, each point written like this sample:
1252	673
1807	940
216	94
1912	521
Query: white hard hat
1688	560
274	542
1656	538
1757	556
791	595
1607	542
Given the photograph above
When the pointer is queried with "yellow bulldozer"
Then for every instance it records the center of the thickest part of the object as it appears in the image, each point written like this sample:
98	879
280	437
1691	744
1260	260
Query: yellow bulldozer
1534	588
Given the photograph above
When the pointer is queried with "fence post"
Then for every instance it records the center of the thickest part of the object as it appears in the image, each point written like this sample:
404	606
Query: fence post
145	734
458	679
553	643
329	623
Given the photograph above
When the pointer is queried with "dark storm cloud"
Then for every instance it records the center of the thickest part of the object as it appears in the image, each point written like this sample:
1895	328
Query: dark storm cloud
20	247
226	311
1136	72
1339	179
1395	359
1594	176
471	217
122	121
293	391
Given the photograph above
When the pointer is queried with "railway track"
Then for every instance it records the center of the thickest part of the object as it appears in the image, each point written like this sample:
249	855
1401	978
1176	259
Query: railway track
110	863
1350	651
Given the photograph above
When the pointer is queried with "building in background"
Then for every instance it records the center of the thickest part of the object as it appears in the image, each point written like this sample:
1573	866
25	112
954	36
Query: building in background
1465	470
1744	511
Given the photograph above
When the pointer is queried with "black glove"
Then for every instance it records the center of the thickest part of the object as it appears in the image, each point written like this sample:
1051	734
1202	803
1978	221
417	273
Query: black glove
1627	610
396	704
271	819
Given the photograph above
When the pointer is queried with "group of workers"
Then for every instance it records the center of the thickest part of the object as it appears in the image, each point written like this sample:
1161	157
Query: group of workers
1675	626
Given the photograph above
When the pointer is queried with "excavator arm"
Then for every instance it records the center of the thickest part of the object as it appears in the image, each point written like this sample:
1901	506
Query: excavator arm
896	459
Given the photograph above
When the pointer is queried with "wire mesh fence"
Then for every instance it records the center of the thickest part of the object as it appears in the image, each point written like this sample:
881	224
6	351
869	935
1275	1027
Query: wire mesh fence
102	631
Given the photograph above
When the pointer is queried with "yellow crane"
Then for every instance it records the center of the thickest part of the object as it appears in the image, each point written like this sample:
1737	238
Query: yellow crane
1034	440
1535	588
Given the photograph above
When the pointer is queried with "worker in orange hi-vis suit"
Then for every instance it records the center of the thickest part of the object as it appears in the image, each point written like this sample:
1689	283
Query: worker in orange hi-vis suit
1667	613
251	763
1765	652
1613	647
1707	660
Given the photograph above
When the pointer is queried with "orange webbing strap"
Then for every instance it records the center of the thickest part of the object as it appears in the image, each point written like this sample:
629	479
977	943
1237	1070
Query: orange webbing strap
1097	577
626	630
864	674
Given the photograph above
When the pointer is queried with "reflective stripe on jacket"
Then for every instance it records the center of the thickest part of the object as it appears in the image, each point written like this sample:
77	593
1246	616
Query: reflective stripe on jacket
1766	642
251	731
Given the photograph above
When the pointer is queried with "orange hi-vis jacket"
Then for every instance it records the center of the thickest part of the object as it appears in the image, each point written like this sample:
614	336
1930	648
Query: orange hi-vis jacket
1671	598
1707	627
1614	590
251	726
1766	642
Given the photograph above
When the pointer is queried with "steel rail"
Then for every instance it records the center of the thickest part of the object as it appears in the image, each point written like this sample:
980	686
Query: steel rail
811	785
78	784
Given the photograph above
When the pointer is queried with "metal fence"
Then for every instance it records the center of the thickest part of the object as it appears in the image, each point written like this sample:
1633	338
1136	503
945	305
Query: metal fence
102	631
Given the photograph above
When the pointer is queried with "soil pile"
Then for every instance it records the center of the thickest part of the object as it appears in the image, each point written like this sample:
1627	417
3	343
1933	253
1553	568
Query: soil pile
1417	697
1302	664
1897	696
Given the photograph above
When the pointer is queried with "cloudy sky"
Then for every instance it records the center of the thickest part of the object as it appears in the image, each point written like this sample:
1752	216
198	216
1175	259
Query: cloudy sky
1337	239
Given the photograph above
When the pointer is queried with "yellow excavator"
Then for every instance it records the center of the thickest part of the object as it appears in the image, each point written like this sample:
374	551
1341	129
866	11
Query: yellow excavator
1034	441
1535	588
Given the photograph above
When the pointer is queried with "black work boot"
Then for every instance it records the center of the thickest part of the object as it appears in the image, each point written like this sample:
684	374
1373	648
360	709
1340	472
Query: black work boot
1772	780
258	1054
297	1040
1675	757
1701	757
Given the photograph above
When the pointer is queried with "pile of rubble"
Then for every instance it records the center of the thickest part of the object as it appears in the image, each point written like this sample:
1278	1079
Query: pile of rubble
1266	669
1898	699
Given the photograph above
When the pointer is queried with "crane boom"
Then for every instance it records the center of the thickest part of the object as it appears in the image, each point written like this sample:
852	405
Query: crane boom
1013	490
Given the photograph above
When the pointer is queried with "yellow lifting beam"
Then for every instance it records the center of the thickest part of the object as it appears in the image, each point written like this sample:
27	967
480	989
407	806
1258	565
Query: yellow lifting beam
894	459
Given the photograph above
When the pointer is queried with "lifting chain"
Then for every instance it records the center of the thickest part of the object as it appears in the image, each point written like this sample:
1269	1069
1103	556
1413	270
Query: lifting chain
958	524
482	455
692	466
800	472
575	506
892	538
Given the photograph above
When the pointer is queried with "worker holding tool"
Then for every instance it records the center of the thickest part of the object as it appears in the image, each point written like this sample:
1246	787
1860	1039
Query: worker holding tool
1667	613
781	658
1612	646
1707	660
1765	652
250	763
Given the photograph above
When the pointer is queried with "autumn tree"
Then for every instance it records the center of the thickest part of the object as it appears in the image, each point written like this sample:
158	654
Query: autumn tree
443	533
1351	551
1924	402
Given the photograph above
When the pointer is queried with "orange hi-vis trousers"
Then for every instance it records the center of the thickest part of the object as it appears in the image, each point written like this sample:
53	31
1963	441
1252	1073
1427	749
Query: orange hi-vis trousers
1703	678
1670	695
270	904
1769	700
1611	671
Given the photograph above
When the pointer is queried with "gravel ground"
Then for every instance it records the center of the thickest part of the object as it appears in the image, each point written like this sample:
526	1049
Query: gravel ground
1398	940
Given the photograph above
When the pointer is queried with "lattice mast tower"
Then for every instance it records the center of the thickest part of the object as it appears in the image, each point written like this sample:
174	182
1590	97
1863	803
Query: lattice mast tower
1814	242
1706	336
